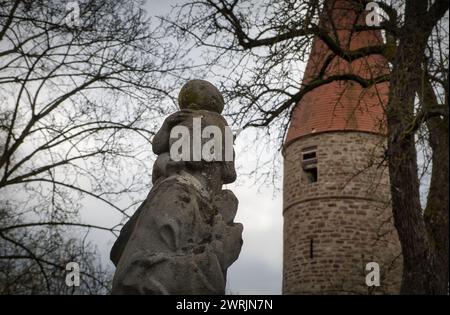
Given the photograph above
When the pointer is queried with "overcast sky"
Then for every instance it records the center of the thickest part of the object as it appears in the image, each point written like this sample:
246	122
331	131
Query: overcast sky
258	269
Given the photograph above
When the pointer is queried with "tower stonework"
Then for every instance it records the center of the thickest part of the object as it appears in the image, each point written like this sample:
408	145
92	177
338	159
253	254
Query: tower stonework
336	197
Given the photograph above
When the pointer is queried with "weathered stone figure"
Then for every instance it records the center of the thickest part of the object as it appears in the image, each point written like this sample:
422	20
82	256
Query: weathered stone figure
182	239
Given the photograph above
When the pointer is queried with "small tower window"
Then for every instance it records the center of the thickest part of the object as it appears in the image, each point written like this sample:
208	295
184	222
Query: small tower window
309	164
311	175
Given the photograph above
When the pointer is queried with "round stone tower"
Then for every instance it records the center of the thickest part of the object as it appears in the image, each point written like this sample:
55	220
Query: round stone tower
336	202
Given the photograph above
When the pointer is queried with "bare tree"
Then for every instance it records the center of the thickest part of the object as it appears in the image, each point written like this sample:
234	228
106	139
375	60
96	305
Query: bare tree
83	86
256	48
34	257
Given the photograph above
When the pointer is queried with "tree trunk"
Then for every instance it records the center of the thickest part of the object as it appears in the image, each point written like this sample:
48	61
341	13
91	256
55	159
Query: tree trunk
419	275
437	209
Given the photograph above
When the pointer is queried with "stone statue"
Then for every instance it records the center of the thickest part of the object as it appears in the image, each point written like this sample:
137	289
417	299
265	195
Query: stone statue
182	239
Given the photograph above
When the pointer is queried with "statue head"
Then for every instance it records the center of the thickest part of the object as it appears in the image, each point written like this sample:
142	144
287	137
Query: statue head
200	95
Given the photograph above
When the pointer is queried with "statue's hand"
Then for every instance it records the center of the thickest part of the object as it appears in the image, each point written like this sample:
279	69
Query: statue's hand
227	239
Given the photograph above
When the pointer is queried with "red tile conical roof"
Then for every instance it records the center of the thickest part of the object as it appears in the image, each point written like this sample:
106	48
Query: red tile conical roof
342	105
